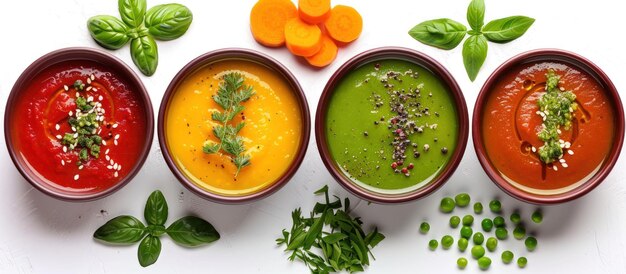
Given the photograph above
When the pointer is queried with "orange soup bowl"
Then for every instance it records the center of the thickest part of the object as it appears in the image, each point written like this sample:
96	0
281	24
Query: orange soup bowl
532	153
78	124
272	130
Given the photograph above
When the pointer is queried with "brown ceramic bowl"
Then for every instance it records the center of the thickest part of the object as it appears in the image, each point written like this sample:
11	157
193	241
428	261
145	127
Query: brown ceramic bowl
400	54
573	60
76	54
234	54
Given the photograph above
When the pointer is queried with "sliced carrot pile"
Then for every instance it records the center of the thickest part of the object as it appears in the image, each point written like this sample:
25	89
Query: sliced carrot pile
268	19
344	24
313	30
302	39
326	55
314	11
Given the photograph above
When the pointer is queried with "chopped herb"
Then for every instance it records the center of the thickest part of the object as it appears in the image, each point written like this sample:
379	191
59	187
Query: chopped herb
345	246
230	95
556	108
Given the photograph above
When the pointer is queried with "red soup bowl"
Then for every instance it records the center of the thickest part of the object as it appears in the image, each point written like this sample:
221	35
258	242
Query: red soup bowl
278	108
78	124
391	125
507	123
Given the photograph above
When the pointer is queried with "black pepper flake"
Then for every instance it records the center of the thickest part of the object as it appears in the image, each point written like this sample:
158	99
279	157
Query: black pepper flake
444	150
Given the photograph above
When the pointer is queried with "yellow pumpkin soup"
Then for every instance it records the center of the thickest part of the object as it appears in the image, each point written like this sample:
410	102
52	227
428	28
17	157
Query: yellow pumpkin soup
270	128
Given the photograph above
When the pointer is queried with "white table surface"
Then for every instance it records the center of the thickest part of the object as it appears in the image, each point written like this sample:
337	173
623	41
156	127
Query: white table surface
39	234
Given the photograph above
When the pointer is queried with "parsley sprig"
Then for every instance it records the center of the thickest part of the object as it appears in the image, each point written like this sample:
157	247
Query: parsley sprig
556	108
230	95
344	247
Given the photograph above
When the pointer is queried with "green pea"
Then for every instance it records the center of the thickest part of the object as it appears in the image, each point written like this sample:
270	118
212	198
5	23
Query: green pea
447	241
478	252
478	208
501	233
491	244
495	206
462	199
463	243
519	232
468	220
424	228
461	263
499	221
537	217
447	205
507	257
522	262
484	263
531	243
433	244
455	221
466	232
478	238
516	218
487	224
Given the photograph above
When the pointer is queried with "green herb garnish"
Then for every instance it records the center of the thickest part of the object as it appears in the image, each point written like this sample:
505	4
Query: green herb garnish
556	108
344	246
447	34
85	122
230	95
141	28
188	231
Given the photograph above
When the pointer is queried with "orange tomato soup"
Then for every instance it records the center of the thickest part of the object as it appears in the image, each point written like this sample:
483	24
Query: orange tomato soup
510	124
272	131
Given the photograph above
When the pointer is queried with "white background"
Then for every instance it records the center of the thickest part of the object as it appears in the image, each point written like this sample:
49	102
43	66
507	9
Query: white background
39	234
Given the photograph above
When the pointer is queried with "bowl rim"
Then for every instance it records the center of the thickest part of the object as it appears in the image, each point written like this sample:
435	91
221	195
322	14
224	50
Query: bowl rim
420	59
253	56
69	54
579	62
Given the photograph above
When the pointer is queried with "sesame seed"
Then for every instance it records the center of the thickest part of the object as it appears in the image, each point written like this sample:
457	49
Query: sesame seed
562	88
64	148
115	174
109	167
117	136
112	162
90	99
77	94
71	113
561	141
555	168
570	152
534	149
107	151
75	135
76	177
114	125
119	167
74	129
115	142
92	77
80	167
115	166
88	82
57	127
59	137
95	89
62	162
66	88
564	165
100	98
104	143
107	157
562	160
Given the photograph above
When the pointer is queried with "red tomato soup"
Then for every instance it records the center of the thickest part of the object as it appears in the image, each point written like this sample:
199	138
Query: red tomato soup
512	121
79	126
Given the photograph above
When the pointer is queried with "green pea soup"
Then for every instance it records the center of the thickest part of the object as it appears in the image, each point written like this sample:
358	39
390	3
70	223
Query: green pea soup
392	126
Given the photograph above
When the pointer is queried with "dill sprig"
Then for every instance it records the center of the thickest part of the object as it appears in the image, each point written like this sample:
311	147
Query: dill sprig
230	95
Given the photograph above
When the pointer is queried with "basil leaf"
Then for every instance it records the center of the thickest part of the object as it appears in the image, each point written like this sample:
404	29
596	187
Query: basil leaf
121	230
507	29
192	231
441	33
145	54
108	31
168	21
149	250
476	14
132	11
156	209
474	54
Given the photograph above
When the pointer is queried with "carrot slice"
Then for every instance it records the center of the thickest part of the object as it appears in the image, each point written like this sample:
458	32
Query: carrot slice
314	11
326	55
302	39
268	19
344	24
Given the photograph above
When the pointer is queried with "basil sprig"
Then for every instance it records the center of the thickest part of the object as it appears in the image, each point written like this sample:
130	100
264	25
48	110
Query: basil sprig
447	34
187	231
162	22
